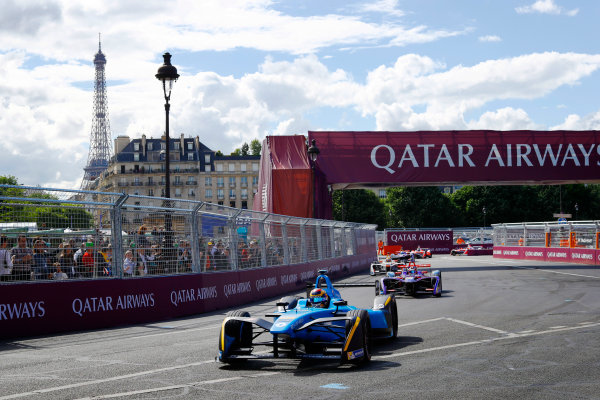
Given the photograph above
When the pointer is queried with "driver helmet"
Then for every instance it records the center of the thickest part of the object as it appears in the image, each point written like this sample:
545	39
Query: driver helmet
388	258
318	298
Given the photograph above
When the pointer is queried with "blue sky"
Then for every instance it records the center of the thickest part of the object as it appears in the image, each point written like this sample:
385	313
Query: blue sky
253	68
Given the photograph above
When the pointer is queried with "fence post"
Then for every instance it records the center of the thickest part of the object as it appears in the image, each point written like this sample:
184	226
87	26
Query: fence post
344	242
319	239
233	239
117	237
286	244
332	228
195	238
263	241
303	245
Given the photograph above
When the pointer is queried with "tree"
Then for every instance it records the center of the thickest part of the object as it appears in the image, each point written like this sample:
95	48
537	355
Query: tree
218	153
255	147
420	207
245	149
236	152
358	205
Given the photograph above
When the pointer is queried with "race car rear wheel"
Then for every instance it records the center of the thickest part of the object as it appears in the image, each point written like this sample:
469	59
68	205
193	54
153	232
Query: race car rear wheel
438	291
394	312
364	331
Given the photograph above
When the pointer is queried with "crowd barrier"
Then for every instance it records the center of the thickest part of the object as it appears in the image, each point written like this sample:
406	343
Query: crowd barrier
260	256
574	242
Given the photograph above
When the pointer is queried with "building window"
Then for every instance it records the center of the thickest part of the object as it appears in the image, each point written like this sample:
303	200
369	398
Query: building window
176	145
244	194
232	193
244	205
150	181
232	181
382	193
219	167
190	156
220	194
255	180
178	192
191	180
244	181
190	145
149	146
207	158
207	181
243	167
136	146
254	167
136	156
208	193
232	204
163	146
220	181
207	168
220	203
150	192
231	167
122	169
177	179
191	193
162	192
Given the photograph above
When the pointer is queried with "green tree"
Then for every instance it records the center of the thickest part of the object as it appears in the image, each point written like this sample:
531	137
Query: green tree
245	149
255	147
419	207
236	152
358	205
218	153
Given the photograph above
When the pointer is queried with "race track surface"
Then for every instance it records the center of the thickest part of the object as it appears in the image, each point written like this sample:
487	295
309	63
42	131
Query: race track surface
502	329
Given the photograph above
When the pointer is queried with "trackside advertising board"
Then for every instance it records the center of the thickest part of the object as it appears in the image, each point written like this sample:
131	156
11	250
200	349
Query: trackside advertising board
438	241
552	254
37	308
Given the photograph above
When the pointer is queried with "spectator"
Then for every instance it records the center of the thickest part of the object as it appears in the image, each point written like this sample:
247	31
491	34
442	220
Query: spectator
67	261
105	264
155	261
87	260
78	258
142	268
128	264
40	260
184	256
210	262
22	259
6	265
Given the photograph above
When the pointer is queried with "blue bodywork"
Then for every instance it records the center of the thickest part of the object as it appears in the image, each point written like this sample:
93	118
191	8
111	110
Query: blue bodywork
300	330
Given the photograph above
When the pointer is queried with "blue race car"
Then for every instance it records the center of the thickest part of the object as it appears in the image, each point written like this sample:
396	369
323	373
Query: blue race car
322	326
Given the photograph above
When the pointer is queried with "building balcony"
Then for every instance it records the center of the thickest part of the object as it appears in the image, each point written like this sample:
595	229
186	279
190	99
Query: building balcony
137	184
244	197
220	185
244	184
121	184
232	196
177	183
232	185
191	183
220	197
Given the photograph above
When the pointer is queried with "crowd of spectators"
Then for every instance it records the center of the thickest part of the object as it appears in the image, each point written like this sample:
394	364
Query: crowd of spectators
145	252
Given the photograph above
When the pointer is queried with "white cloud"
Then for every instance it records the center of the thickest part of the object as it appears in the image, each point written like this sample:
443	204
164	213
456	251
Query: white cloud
577	123
389	7
489	38
546	7
504	119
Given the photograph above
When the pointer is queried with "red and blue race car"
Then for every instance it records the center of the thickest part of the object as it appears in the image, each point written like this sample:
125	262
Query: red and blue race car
411	279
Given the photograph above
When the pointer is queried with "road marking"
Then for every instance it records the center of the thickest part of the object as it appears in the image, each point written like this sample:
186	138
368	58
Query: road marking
484	341
557	327
528	331
420	322
335	386
487	328
392	355
182	386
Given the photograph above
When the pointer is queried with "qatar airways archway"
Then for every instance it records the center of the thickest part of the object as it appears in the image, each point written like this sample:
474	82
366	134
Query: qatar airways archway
352	160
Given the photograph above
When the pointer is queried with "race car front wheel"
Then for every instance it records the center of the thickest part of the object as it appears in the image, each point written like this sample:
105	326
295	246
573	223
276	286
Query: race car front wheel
360	350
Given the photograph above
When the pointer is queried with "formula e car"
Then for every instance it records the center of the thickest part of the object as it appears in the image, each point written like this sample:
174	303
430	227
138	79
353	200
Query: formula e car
299	330
388	263
422	253
464	251
410	280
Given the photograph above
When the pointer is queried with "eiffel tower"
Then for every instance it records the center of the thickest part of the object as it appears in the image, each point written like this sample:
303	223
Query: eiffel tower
100	136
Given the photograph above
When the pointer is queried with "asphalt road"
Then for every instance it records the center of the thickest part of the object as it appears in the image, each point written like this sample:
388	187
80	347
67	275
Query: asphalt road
502	329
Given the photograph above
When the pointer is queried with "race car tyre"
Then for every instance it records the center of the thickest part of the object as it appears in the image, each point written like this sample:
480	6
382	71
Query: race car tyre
394	312
240	331
438	292
291	300
365	331
378	290
371	271
389	303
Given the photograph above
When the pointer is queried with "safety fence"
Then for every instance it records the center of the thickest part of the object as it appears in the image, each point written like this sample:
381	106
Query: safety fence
66	234
577	241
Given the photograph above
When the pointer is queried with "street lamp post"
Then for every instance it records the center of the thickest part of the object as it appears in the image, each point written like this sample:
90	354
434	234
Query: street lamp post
167	74
576	211
313	153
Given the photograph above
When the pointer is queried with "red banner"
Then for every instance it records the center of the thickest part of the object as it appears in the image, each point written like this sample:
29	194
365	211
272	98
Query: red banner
438	241
355	159
551	254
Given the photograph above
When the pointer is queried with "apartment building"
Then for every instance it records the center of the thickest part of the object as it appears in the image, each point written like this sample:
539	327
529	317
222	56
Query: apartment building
196	172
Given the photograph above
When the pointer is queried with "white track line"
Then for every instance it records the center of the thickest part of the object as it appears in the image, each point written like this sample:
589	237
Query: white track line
392	355
487	328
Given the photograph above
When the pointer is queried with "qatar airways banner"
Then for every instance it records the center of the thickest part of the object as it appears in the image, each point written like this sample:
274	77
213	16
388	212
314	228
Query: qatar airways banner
574	255
477	157
36	308
439	241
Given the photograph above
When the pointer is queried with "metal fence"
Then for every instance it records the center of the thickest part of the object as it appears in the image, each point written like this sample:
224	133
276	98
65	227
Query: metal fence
580	234
65	234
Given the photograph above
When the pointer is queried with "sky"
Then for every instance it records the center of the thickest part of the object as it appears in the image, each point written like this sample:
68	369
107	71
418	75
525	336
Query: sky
252	68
